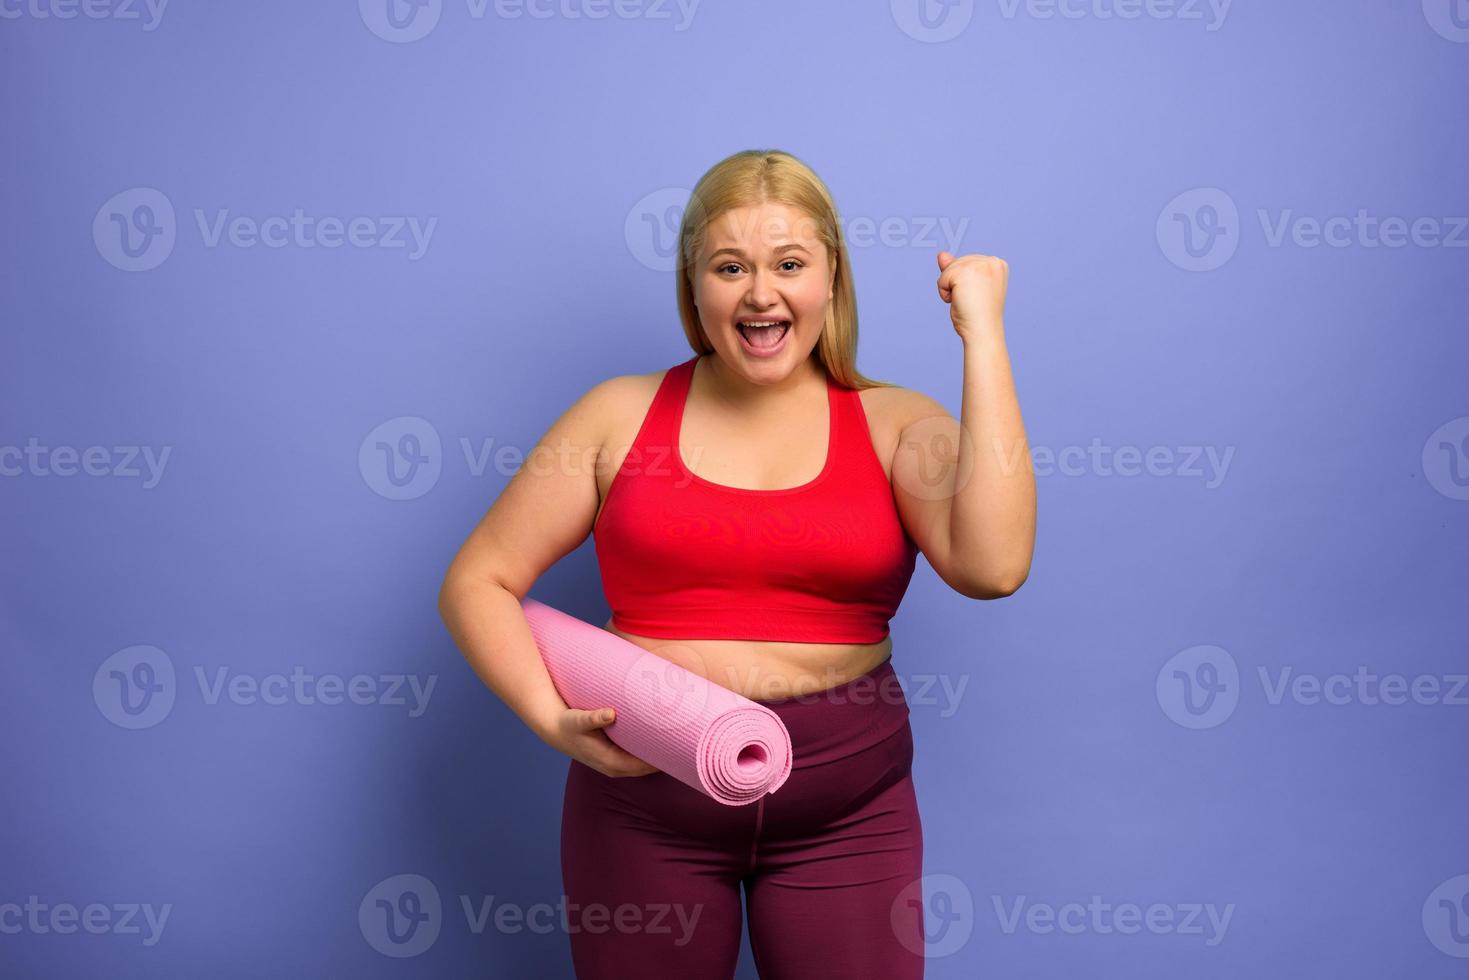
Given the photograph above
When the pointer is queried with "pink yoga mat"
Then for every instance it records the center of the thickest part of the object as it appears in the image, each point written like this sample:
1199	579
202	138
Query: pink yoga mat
717	741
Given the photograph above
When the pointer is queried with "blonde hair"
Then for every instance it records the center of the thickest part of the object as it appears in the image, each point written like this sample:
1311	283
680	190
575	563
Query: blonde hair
753	177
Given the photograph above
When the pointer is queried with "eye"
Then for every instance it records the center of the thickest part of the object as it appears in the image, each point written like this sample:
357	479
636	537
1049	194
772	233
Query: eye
734	265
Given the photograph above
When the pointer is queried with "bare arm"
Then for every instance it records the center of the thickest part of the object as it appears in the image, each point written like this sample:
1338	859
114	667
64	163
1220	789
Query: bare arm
992	516
965	488
488	626
544	512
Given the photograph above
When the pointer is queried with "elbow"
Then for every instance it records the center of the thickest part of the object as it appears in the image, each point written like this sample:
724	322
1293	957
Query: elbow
449	587
462	589
448	597
997	587
452	596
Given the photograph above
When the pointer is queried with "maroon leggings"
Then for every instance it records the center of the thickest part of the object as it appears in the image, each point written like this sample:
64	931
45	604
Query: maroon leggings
829	862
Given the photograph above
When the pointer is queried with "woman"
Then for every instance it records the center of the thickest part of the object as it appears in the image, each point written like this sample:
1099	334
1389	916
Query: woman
757	511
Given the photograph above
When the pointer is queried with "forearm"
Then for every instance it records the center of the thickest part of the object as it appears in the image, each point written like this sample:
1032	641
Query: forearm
488	625
992	513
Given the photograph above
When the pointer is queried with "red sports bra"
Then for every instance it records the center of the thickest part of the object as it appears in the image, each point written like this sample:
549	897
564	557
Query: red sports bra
684	558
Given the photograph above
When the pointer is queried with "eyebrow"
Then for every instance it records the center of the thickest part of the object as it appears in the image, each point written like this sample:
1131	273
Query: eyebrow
781	248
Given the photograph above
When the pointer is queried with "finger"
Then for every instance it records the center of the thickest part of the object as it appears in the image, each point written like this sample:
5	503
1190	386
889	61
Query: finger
946	279
592	720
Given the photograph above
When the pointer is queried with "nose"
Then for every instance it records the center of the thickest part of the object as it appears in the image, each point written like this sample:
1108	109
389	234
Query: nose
761	295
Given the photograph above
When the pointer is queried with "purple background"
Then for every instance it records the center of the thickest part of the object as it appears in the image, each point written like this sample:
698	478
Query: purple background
1065	769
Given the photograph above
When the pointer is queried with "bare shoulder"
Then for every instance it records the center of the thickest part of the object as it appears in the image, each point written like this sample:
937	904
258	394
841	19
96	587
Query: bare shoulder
622	401
892	409
607	400
900	406
630	387
618	406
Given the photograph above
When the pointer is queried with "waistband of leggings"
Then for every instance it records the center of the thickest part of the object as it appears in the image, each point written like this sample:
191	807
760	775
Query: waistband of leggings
845	719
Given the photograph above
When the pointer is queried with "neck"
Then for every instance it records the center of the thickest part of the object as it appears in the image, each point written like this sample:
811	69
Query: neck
731	388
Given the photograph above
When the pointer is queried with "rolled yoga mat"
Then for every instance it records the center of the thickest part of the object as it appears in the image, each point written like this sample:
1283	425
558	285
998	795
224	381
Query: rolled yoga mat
711	738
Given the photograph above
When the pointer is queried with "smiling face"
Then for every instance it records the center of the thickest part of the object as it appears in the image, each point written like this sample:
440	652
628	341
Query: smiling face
763	265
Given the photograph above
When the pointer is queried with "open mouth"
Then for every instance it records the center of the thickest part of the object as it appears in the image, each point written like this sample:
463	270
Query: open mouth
763	335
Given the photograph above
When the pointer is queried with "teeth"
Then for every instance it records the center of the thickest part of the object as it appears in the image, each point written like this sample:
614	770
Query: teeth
763	323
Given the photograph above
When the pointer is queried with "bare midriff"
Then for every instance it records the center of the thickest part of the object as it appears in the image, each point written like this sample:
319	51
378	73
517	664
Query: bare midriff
766	669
